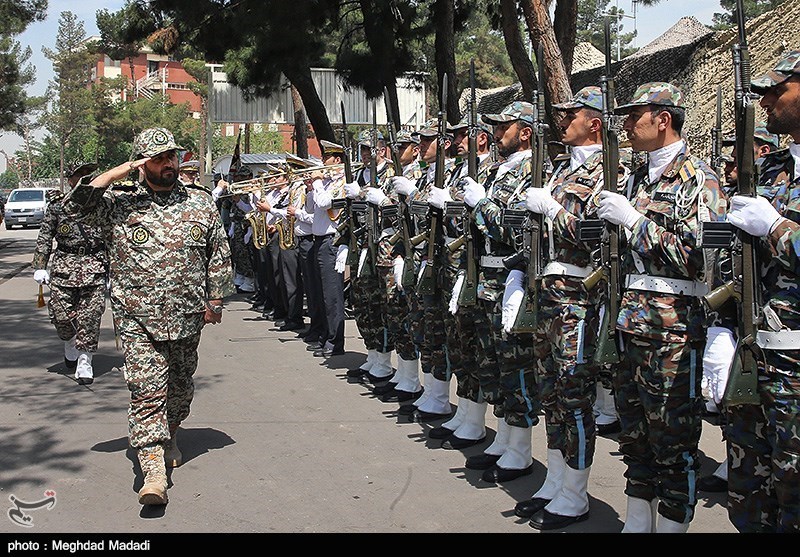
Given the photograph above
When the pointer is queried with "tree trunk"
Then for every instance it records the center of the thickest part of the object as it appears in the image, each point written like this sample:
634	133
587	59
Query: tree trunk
300	134
445	57
541	32
565	21
61	165
517	53
314	109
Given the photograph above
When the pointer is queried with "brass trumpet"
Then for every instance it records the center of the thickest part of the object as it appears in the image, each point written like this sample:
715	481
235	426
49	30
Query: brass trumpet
267	182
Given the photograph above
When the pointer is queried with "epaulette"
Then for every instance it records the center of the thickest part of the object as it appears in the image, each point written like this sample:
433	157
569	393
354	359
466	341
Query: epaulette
126	185
687	171
198	187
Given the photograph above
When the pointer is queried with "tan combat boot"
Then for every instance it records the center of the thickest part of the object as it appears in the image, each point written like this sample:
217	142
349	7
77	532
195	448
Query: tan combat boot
172	454
154	490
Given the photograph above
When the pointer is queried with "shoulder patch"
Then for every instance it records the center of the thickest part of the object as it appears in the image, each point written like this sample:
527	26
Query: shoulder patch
687	171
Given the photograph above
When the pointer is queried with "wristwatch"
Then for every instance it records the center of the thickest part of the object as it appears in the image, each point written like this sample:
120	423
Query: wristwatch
214	308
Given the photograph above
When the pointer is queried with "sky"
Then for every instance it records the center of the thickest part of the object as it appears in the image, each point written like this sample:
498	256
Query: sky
650	23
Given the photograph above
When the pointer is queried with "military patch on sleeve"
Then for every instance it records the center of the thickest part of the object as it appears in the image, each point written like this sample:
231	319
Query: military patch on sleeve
687	171
140	235
196	232
664	196
64	228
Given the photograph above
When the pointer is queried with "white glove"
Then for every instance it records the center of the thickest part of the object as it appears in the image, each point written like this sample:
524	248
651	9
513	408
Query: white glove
397	269
375	196
754	215
437	197
512	298
541	202
41	276
456	292
717	359
352	190
473	191
341	259
616	209
402	185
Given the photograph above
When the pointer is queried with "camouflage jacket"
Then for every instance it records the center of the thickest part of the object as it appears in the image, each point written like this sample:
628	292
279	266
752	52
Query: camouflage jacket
424	184
384	249
80	257
576	191
505	191
664	244
168	256
779	253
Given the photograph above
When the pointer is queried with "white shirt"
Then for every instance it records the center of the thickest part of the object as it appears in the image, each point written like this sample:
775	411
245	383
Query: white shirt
322	200
659	159
579	154
301	227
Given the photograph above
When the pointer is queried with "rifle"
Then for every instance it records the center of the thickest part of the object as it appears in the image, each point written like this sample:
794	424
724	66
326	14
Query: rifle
427	280
716	138
373	219
530	223
609	267
400	213
472	140
350	220
743	376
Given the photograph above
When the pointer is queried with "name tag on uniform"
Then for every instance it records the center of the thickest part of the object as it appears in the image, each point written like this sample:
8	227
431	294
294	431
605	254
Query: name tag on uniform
584	181
664	196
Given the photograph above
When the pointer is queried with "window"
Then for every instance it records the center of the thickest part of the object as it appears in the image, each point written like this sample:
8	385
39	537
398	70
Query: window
26	195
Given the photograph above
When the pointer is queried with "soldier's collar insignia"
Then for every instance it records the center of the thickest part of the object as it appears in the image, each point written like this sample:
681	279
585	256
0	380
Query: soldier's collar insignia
196	232
140	235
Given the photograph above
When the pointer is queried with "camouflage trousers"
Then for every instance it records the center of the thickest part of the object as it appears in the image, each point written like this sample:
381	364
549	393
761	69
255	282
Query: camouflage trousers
658	398
240	253
462	352
764	456
477	352
434	336
77	312
397	317
564	344
367	296
510	386
159	377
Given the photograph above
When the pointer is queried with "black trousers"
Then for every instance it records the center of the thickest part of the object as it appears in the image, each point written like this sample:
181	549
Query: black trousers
332	289
275	279
312	284
293	282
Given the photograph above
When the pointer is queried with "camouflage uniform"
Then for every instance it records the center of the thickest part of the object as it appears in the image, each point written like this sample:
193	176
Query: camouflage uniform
427	311
466	357
511	387
657	385
78	271
368	282
764	440
168	256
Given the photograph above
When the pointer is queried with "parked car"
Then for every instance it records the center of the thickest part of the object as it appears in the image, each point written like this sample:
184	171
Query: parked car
25	207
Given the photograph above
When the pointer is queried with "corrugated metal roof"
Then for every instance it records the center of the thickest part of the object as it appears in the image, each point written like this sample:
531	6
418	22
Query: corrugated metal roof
227	104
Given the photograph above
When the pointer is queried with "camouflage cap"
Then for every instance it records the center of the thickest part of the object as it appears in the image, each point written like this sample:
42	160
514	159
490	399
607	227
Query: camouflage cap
429	128
588	97
764	135
405	136
787	66
330	148
517	110
657	93
81	169
464	123
154	141
364	138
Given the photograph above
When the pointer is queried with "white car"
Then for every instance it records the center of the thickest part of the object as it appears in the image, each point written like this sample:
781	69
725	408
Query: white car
25	207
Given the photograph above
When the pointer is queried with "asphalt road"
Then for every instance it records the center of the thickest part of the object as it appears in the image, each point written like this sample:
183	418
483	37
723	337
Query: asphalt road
277	442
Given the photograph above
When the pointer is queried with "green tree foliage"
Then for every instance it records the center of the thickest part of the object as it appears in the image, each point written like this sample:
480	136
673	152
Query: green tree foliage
15	71
752	9
67	119
263	141
116	40
591	14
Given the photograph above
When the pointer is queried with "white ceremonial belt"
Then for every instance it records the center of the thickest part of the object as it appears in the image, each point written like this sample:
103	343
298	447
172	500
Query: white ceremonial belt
778	340
666	285
386	232
566	269
492	261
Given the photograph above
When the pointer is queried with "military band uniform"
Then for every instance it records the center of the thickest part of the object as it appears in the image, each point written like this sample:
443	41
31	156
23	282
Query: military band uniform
170	267
77	278
289	256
